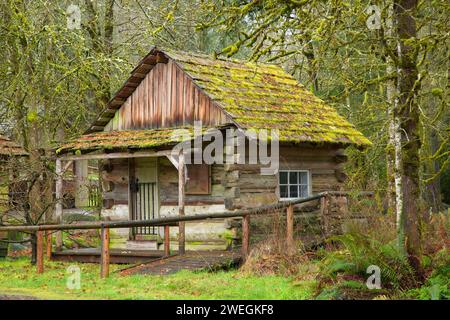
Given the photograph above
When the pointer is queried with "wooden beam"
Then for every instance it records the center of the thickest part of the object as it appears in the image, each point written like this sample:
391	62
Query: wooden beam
131	193
267	209
59	205
173	159
66	167
167	240
117	155
181	184
290	230
116	102
245	236
161	58
105	254
40	252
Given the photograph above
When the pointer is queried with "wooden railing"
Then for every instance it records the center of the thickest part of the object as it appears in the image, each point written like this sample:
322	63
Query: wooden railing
104	226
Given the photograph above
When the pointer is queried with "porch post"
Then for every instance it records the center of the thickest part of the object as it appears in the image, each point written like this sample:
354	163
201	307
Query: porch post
59	205
181	183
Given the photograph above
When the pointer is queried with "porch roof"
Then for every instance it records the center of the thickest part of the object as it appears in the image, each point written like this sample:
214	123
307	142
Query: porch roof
127	140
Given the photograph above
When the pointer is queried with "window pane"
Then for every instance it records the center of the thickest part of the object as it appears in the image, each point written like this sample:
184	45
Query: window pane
303	178
303	191
283	177
293	191
293	178
284	192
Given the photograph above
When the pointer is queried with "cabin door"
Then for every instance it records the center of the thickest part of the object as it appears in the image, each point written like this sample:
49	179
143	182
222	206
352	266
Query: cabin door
144	196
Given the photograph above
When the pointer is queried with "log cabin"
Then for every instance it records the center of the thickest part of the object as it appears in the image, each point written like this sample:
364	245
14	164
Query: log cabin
134	136
8	150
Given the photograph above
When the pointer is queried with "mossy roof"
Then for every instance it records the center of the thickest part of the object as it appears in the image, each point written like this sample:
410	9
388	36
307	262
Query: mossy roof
9	148
127	140
254	95
263	96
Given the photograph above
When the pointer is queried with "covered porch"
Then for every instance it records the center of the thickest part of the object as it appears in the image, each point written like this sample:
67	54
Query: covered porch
129	180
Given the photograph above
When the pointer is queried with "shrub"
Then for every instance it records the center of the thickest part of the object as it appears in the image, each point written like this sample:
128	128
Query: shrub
357	251
437	285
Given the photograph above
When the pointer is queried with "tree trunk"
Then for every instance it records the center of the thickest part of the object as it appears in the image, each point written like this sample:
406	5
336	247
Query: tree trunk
407	113
432	190
33	238
393	145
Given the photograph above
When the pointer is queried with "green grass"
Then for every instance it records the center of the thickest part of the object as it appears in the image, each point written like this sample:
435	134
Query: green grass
19	277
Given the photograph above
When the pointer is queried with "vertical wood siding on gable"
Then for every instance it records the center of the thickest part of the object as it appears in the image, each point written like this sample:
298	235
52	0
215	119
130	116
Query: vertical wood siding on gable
167	97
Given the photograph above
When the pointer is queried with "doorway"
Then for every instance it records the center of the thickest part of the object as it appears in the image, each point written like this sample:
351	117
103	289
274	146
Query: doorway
144	196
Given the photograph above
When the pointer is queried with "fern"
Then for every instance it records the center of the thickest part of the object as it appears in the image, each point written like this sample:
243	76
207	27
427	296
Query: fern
360	251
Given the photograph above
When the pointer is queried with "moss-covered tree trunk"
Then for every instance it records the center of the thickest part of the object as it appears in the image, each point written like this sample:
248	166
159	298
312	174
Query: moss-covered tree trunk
408	115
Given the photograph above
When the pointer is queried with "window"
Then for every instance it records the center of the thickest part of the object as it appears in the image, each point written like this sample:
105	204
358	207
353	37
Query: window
198	179
294	184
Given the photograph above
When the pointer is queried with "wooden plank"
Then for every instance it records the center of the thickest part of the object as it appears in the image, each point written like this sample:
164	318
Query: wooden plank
40	252
161	58
167	240
181	183
151	59
290	230
117	155
151	94
145	105
131	177
104	268
245	236
117	102
143	68
156	96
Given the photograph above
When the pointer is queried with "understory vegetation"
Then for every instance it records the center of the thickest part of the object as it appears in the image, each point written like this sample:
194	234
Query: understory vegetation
336	269
339	267
20	278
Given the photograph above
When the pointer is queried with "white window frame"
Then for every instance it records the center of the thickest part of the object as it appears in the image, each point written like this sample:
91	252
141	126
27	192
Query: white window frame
308	183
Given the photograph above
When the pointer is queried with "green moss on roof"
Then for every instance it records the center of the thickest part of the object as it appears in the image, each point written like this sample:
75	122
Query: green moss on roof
262	96
130	139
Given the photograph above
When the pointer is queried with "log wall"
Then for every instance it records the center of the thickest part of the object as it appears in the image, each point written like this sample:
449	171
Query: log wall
115	182
233	186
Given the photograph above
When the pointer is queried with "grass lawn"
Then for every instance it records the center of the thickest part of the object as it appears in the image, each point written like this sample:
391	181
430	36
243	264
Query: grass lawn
19	277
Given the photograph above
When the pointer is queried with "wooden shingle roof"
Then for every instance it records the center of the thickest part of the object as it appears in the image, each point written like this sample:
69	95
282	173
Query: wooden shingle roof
255	96
127	140
9	148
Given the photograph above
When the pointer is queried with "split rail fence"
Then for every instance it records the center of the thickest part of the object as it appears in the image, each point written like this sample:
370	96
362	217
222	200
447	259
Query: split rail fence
44	232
